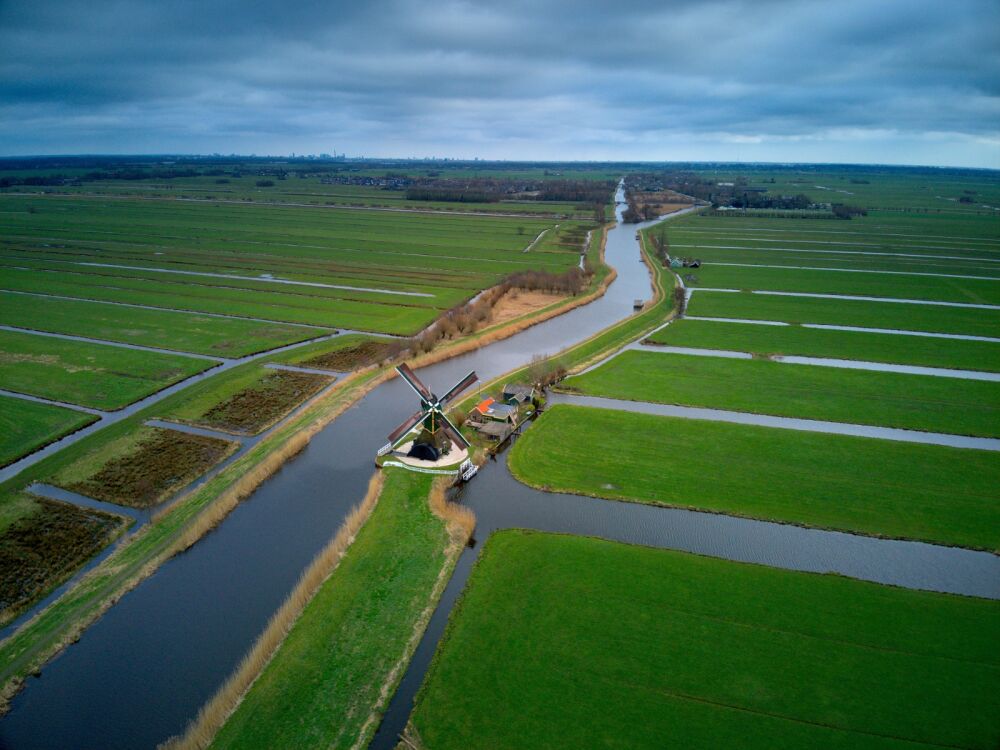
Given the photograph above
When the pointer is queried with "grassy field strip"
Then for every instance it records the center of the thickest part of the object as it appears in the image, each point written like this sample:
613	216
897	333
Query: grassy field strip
888	399
267	307
847	297
53	402
27	425
892	489
102	377
795	281
849	329
858	270
988	243
846	364
706	652
873	253
269	281
163	329
696	413
837	311
340	286
138	306
865	298
102	342
810	341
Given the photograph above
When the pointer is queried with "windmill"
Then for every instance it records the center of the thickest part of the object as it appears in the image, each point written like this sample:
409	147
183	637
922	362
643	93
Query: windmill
431	414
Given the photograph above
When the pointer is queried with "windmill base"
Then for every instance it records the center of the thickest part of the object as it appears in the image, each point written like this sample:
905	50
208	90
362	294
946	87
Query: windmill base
450	460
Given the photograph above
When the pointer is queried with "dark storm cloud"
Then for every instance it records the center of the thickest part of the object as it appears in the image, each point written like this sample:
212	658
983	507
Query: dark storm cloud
912	81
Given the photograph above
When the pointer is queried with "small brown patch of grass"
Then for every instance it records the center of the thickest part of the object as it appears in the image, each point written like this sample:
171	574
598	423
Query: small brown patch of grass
253	409
158	465
45	546
515	303
354	357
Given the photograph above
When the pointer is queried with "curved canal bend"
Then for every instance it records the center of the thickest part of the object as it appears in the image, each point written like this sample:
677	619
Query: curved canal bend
143	670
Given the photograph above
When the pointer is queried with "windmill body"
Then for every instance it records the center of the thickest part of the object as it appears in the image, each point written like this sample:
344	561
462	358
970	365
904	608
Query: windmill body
432	429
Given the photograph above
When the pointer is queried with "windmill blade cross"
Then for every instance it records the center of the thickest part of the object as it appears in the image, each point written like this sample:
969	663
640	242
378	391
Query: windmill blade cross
408	425
459	387
414	382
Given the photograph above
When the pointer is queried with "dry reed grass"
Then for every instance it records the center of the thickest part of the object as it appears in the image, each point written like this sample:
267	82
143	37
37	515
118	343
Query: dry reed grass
202	730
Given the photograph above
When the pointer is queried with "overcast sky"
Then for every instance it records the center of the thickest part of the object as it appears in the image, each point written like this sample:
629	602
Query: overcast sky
908	82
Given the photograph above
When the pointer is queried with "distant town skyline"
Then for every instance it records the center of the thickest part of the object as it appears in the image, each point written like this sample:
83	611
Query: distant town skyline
893	82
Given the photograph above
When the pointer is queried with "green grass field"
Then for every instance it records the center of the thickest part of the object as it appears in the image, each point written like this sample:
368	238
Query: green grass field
104	377
767	340
976	291
183	332
563	641
875	487
916	402
858	313
324	681
26	426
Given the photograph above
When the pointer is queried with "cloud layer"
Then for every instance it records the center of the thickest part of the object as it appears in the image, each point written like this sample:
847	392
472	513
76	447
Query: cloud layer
902	81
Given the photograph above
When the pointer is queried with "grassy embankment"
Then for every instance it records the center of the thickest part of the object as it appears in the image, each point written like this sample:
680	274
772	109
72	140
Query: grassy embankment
862	485
26	426
76	372
346	647
767	340
563	641
846	312
889	399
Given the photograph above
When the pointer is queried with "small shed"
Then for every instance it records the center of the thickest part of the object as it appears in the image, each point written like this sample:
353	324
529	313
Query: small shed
515	393
503	413
498	431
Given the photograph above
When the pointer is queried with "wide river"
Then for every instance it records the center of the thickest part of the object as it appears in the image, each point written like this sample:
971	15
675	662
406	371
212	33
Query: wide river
144	669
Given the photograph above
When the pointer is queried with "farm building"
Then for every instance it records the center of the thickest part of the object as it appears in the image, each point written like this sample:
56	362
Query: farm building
516	394
492	410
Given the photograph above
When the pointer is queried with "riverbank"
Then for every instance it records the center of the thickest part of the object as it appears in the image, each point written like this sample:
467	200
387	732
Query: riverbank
184	522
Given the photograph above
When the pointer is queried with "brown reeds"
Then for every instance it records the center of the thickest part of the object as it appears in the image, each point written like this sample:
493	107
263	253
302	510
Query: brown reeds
203	728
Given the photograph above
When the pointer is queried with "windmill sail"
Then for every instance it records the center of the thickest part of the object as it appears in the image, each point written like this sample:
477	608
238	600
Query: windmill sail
414	382
459	387
431	412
